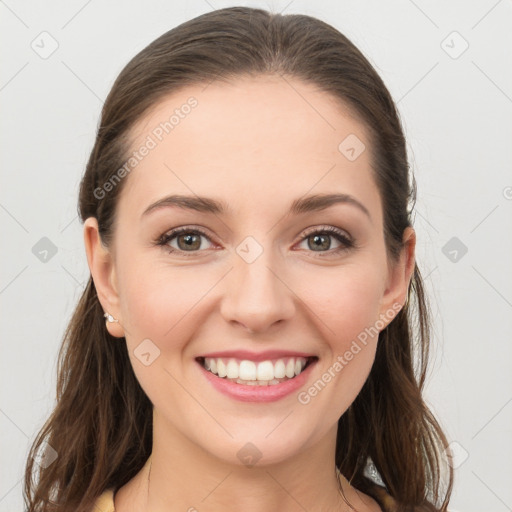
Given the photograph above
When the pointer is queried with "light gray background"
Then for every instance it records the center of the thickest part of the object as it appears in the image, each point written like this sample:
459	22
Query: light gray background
456	110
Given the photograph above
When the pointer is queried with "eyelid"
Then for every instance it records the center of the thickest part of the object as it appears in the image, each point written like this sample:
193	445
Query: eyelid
326	229
164	239
346	241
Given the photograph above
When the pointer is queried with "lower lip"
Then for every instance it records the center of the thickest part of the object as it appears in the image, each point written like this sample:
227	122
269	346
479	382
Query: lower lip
257	393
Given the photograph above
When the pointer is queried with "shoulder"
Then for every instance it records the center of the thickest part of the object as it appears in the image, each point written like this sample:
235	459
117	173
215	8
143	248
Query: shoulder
105	502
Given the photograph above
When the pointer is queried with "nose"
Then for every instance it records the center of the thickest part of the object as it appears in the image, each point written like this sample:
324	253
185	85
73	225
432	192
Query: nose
256	295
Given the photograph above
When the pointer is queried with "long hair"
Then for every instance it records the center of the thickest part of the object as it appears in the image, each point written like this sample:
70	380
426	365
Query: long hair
101	426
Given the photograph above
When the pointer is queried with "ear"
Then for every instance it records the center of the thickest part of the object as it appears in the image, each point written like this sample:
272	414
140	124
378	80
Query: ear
101	265
399	277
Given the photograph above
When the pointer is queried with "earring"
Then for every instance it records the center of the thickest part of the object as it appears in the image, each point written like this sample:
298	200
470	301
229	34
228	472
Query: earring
110	318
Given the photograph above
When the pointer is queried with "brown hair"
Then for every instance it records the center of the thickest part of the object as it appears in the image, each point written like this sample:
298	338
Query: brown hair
101	427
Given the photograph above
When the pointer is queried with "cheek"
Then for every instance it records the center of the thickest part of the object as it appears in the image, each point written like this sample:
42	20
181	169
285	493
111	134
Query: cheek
346	306
162	306
345	300
165	304
158	303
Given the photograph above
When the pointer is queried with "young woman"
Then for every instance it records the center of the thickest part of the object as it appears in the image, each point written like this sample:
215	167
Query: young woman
254	335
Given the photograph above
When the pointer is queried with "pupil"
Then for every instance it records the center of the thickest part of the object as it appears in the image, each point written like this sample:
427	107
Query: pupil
318	239
189	241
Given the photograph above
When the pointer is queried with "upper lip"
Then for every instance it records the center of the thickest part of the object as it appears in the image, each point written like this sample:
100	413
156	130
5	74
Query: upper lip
257	356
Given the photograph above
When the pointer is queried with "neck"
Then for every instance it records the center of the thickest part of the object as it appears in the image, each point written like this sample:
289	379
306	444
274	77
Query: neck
182	476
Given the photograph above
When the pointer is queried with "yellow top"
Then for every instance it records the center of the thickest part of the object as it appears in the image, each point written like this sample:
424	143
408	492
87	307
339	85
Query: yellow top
105	502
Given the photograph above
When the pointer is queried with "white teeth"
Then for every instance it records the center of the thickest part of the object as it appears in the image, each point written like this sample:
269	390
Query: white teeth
290	368
221	368
232	369
247	370
279	369
251	373
265	370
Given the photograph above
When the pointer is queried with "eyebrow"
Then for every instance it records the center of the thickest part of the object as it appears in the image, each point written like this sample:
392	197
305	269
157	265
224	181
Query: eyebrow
209	205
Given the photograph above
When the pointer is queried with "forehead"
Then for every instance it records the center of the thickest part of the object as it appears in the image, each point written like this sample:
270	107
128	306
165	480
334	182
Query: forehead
253	139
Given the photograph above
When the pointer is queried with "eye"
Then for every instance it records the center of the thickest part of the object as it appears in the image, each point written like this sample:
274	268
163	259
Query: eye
189	240
319	240
186	239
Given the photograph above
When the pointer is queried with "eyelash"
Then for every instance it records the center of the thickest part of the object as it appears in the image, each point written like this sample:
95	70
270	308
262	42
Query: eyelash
345	241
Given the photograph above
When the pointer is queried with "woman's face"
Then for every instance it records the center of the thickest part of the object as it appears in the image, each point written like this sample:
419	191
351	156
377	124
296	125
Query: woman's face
275	273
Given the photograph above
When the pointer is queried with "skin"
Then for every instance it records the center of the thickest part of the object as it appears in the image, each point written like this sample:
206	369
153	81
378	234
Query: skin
257	144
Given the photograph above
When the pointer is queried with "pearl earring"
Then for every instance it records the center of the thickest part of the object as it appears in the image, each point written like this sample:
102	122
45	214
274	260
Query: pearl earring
110	318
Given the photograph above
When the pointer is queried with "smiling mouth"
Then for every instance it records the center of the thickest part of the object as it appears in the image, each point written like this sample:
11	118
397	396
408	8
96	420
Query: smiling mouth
251	373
